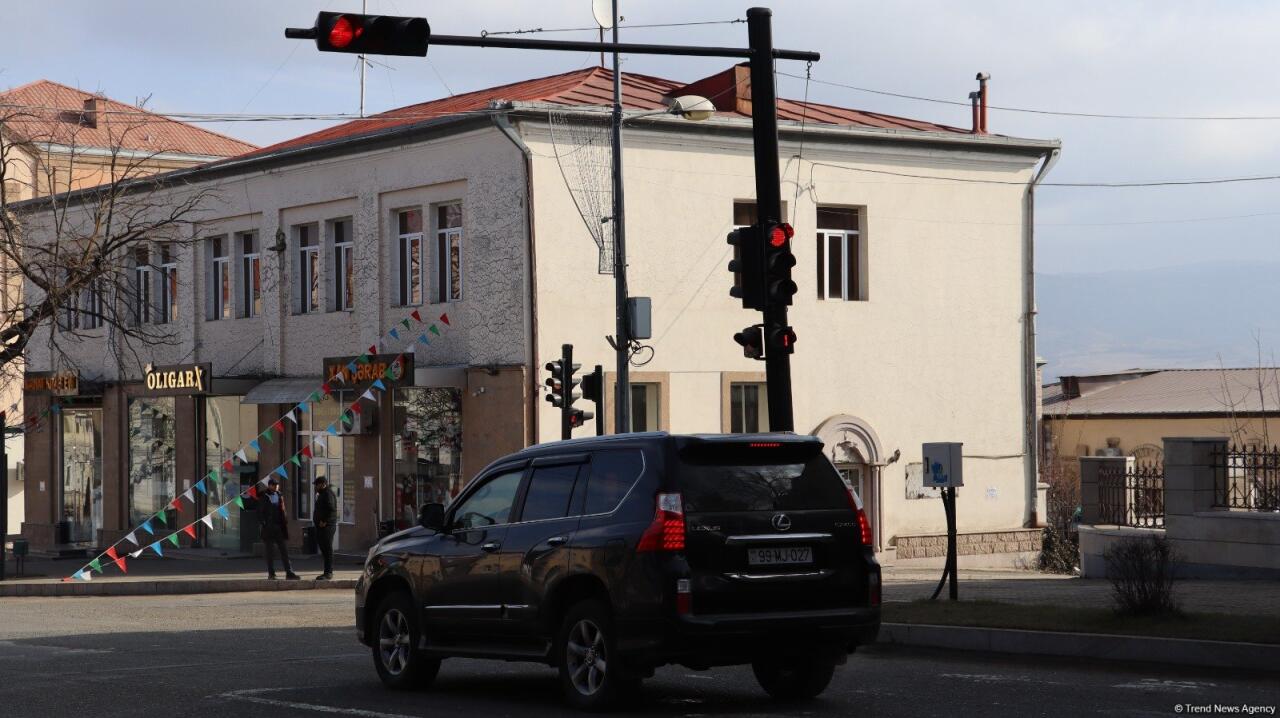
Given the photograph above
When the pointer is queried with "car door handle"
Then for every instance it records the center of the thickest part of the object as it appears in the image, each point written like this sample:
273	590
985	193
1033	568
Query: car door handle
557	540
490	547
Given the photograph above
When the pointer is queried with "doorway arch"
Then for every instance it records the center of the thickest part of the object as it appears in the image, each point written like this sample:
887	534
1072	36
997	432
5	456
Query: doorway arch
855	449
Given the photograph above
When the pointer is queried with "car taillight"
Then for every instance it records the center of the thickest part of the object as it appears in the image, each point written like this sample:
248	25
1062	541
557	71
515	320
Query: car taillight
684	597
864	526
666	533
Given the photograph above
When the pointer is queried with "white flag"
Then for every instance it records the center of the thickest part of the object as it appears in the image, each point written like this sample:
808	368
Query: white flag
132	540
291	417
368	394
242	457
189	496
208	520
136	554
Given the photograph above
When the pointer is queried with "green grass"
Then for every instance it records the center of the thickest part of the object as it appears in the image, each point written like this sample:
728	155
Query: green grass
990	614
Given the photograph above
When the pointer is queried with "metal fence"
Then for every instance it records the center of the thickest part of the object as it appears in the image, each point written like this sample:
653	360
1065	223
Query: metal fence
1248	478
1131	496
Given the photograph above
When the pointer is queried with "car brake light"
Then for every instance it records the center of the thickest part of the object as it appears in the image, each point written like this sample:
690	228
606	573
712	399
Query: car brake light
684	597
864	526
666	533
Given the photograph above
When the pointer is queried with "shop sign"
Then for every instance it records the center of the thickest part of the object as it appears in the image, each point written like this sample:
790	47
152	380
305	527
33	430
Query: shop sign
393	369
178	379
51	383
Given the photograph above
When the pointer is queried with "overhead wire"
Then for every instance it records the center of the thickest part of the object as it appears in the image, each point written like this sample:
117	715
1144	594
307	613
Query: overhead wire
486	33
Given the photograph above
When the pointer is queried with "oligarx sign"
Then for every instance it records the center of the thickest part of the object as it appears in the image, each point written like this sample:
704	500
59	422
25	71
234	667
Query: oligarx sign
392	369
178	379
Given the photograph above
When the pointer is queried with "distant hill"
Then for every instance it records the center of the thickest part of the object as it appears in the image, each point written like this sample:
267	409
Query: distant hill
1159	318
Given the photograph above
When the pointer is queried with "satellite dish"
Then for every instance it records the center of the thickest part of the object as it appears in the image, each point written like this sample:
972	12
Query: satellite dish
603	12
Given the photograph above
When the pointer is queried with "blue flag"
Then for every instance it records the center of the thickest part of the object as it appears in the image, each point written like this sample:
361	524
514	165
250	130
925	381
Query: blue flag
395	334
146	526
200	487
156	547
256	446
222	511
377	384
280	470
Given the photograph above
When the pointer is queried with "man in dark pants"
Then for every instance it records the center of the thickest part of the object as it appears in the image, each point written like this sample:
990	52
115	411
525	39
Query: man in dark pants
325	519
275	529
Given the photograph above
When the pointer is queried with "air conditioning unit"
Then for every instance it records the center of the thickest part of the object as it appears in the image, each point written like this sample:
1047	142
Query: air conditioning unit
366	422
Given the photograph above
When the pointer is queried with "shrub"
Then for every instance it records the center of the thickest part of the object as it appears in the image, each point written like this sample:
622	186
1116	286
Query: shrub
1141	574
1059	553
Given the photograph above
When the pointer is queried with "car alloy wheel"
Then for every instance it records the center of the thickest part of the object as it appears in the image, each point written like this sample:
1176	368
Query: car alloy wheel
394	641
586	657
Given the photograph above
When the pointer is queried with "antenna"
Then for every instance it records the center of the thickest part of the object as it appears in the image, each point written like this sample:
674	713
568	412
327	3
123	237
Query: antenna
364	10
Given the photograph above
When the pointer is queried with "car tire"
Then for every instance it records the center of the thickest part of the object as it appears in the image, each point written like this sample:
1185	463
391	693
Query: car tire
401	664
592	676
794	679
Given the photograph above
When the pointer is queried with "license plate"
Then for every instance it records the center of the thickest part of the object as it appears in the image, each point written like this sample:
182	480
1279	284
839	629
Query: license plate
779	555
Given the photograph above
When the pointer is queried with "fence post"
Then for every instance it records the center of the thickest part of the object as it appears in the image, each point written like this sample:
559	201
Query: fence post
1089	468
1190	474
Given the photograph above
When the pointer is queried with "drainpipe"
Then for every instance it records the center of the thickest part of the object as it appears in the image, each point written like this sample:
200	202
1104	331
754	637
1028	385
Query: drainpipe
503	124
1031	421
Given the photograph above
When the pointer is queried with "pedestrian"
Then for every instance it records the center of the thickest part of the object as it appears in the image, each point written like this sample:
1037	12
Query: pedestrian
325	520
275	529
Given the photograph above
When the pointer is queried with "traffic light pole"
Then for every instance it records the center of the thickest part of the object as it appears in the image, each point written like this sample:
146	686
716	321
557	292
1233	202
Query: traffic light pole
566	362
622	346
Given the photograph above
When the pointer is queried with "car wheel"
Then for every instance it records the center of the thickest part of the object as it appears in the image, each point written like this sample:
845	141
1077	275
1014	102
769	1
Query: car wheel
592	675
794	679
401	664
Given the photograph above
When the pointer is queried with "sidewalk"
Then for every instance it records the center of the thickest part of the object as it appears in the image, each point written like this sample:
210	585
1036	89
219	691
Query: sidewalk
179	572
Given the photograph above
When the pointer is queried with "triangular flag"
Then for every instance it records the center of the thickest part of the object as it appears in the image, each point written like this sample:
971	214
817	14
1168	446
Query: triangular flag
208	520
244	458
156	547
363	359
368	394
173	538
222	511
162	515
340	377
306	450
302	409
356	408
445	318
146	526
331	430
395	334
256	446
111	553
416	316
291	417
315	396
319	439
177	504
200	487
377	384
120	565
252	492
351	367
131	539
345	417
279	425
433	330
226	465
404	323
269	434
408	348
189	496
371	350
296	461
95	565
190	530
83	576
424	338
281	470
136	554
239	502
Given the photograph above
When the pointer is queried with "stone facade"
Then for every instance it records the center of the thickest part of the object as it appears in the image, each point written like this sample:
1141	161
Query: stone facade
970	544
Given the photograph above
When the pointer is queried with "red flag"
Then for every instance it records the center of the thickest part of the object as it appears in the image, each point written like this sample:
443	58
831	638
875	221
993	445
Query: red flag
356	408
416	315
226	465
372	349
111	552
278	426
177	504
444	318
190	530
253	492
120	565
325	388
306	449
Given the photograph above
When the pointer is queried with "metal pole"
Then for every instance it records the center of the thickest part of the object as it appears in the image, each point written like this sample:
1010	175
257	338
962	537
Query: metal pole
4	489
599	400
764	130
363	10
622	393
566	391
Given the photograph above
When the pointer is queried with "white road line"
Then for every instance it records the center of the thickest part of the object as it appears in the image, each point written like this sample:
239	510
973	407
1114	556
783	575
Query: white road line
249	696
1156	684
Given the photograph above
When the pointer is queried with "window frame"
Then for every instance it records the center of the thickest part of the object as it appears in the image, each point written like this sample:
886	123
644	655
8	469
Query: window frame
221	282
762	406
168	278
517	501
448	243
144	278
343	264
852	271
407	280
309	269
250	293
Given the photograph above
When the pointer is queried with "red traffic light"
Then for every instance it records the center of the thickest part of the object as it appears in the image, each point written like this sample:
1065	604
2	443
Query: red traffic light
343	32
783	339
780	234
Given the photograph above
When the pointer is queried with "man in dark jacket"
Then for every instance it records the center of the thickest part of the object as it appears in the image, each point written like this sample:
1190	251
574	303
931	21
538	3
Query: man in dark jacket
325	519
275	529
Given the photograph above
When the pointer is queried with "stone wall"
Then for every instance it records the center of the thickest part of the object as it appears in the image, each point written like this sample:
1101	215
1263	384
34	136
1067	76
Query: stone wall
970	544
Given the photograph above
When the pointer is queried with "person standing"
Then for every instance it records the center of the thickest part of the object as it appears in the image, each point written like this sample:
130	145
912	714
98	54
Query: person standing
275	529
325	520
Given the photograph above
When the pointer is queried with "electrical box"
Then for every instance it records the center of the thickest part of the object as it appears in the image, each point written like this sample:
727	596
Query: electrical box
943	465
641	313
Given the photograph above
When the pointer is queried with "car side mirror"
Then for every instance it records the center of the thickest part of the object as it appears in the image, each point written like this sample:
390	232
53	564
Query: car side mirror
432	516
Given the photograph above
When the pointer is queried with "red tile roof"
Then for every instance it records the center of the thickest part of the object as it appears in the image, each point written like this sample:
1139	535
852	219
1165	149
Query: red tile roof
729	91
46	111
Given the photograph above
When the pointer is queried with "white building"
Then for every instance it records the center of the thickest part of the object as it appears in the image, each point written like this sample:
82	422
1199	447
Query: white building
913	242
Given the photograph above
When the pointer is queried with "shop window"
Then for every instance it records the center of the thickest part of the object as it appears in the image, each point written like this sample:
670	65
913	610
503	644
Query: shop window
229	426
449	252
409	256
152	468
344	271
428	449
250	276
328	452
748	408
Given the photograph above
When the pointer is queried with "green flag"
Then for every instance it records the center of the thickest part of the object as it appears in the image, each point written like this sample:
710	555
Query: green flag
296	461
268	435
162	517
173	538
433	330
239	502
95	565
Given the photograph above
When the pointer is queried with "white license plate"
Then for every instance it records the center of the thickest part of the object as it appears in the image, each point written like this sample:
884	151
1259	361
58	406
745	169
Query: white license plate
779	555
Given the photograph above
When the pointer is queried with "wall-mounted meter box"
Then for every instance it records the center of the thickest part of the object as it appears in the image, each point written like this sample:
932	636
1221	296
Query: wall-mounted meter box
943	464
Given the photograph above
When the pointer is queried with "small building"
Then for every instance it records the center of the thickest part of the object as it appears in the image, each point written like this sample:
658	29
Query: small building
914	312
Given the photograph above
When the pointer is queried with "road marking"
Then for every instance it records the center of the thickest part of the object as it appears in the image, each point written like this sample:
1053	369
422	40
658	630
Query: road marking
249	696
1155	684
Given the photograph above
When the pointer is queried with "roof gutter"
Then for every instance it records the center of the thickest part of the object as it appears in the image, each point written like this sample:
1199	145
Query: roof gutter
531	327
1030	386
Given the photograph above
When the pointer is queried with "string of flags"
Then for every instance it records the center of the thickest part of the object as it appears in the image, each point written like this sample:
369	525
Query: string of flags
152	534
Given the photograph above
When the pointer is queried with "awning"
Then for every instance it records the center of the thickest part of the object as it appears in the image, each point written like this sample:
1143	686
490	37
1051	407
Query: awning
282	391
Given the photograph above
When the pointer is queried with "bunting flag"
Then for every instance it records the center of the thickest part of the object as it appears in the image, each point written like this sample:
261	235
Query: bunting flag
239	502
120	565
226	465
395	334
363	359
291	417
368	394
269	434
173	538
162	515
295	460
328	390
281	470
146	526
96	565
190	530
340	378
423	338
433	330
136	554
222	511
356	408
82	575
256	446
200	485
189	496
132	539
345	417
416	316
377	384
445	318
252	493
208	520
279	425
351	366
177	504
111	553
243	457
306	450
331	430
404	323
373	349
156	547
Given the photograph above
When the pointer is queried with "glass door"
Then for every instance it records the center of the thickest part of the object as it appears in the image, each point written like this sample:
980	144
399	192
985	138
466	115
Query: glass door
82	473
331	470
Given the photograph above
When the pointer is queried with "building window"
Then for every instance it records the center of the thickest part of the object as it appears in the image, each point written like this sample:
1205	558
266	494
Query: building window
219	279
143	278
152	466
308	268
92	306
427	450
644	407
250	276
748	408
229	427
449	251
168	285
410	256
344	271
841	255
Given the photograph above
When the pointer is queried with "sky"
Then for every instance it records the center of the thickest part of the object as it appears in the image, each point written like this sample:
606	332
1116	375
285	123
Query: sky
1134	57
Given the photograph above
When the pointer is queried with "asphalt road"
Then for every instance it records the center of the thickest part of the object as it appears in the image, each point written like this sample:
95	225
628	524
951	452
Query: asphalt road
294	654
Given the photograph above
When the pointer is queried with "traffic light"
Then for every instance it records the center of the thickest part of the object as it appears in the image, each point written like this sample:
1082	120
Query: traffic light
778	261
593	390
562	394
752	341
747	266
367	34
782	339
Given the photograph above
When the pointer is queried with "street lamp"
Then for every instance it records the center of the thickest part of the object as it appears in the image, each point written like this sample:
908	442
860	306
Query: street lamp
689	107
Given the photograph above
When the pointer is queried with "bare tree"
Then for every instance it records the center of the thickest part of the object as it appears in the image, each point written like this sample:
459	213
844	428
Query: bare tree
87	257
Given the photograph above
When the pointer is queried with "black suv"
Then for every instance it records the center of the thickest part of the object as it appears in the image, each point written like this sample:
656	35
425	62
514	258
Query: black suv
608	557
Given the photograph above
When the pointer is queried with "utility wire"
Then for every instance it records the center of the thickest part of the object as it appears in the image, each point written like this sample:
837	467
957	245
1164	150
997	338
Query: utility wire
1059	113
1110	185
486	33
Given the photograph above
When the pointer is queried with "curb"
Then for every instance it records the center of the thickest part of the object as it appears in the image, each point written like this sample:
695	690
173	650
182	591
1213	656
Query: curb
173	587
1097	646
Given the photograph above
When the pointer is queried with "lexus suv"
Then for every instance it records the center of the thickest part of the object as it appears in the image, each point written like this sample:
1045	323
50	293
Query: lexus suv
610	556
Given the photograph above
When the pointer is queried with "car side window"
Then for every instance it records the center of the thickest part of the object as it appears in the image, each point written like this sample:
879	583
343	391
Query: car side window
550	489
489	505
613	472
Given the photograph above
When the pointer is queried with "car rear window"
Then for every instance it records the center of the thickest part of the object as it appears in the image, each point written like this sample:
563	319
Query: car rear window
790	480
613	472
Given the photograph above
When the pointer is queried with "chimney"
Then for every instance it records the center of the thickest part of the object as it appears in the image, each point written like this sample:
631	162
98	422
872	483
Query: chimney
981	110
977	122
1070	387
729	91
89	117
